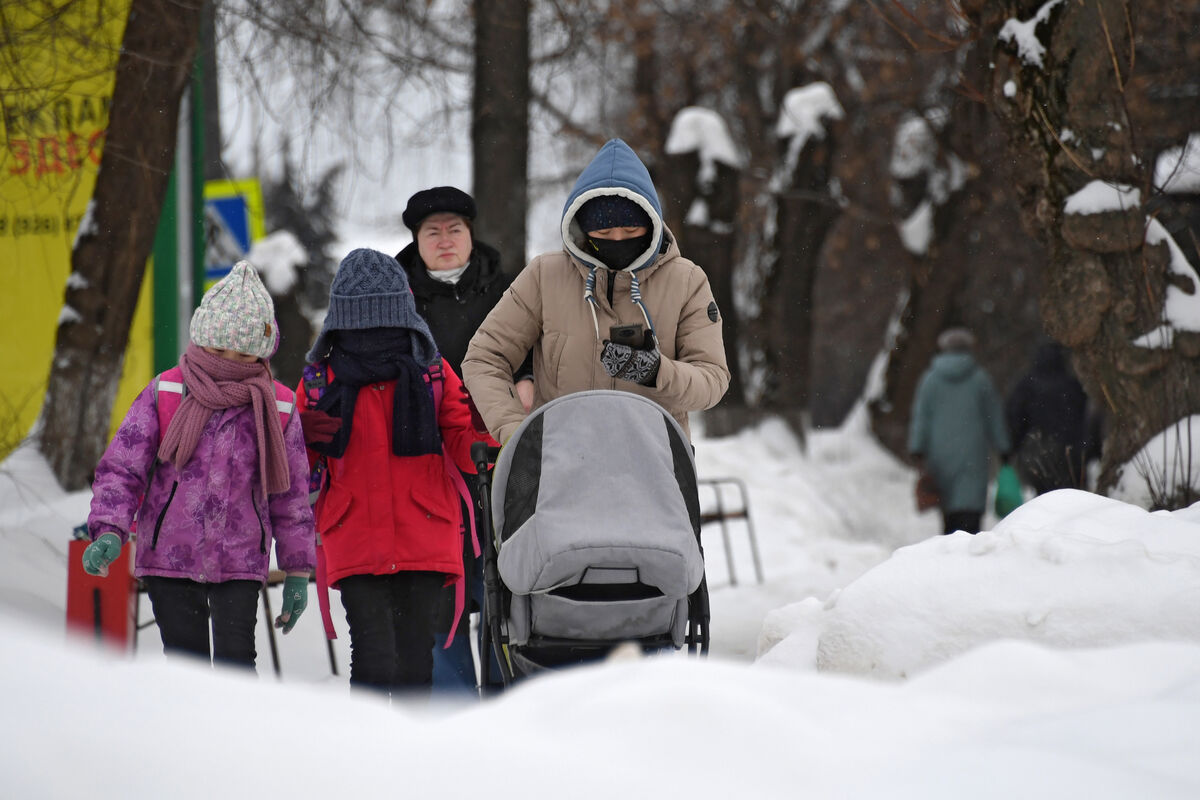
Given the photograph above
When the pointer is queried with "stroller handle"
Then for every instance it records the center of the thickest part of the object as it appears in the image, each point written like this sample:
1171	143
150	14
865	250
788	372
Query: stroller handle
482	455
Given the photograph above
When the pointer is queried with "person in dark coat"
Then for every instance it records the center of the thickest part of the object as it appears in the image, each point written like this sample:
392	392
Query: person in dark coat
455	280
1047	419
957	420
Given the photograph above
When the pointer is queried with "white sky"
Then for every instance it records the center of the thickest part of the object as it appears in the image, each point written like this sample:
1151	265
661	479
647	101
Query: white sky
1057	655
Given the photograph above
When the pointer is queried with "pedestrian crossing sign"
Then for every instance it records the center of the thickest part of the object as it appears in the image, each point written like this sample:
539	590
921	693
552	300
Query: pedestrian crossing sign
233	221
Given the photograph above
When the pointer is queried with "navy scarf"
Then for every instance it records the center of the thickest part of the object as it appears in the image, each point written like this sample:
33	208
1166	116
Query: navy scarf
360	358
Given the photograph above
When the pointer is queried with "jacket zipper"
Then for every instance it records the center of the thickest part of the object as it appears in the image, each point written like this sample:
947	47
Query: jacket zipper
262	529
158	523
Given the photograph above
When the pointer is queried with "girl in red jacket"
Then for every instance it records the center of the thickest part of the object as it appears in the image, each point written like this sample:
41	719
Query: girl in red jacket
388	512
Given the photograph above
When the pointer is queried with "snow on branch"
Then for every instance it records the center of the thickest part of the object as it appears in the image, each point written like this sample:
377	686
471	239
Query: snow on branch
802	117
703	131
1177	170
277	257
804	111
1024	35
69	316
1100	196
915	153
1181	310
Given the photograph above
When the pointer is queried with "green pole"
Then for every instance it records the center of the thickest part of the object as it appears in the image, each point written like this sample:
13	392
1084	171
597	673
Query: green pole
165	271
178	254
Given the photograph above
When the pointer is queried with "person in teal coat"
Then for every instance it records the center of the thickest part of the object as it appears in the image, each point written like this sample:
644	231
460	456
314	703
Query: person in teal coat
957	420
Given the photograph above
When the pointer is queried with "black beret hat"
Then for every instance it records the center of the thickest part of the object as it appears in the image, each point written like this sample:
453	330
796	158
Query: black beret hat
438	200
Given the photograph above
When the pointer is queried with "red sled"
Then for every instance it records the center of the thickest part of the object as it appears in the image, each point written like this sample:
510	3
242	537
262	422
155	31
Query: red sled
101	607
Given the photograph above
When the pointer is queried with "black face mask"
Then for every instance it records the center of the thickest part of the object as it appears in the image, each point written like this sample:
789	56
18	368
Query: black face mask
617	255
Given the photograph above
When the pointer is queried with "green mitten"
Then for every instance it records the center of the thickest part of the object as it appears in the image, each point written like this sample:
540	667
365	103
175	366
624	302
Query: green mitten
1008	491
100	553
295	600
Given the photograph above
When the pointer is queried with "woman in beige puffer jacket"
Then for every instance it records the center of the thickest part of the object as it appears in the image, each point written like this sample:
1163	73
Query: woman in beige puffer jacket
619	266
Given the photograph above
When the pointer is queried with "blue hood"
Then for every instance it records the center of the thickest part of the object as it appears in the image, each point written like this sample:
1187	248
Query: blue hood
616	169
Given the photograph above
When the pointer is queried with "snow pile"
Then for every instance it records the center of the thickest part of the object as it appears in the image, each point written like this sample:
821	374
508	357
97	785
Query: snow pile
1101	196
993	719
1067	569
1177	170
1168	460
1024	35
1008	720
277	257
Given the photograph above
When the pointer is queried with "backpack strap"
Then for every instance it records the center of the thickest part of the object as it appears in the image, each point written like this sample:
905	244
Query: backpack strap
315	380
285	404
436	379
169	391
168	395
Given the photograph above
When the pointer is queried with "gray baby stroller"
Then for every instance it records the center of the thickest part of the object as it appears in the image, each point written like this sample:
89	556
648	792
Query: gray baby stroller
592	536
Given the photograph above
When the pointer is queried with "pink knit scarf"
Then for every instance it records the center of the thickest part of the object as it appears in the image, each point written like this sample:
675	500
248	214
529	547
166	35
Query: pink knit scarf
214	383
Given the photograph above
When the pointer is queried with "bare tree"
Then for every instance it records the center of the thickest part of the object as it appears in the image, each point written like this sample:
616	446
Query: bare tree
109	258
500	126
1092	95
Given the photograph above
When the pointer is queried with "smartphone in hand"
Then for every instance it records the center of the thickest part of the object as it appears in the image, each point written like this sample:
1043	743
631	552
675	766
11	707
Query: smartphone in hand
633	335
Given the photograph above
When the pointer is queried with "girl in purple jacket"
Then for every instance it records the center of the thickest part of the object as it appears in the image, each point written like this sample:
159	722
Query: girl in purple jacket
227	476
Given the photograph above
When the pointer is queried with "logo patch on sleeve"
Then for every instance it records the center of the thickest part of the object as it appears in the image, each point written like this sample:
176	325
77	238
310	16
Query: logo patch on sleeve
713	314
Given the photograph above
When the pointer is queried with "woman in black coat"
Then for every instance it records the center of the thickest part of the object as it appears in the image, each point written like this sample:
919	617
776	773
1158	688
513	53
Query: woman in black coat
455	281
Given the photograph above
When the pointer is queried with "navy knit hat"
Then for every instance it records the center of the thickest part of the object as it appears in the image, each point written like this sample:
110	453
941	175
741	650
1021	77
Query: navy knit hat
438	200
370	290
611	211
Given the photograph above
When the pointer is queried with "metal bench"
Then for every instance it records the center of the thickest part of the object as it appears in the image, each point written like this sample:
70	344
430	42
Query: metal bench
720	514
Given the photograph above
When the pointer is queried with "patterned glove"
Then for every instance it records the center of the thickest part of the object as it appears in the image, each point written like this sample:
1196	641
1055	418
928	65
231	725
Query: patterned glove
100	553
295	600
627	364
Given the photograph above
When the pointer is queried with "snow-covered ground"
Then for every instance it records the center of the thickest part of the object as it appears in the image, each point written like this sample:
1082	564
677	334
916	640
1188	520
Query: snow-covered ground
1056	655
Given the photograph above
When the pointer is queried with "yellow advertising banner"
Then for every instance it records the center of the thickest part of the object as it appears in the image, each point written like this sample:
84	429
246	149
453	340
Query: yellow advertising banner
57	70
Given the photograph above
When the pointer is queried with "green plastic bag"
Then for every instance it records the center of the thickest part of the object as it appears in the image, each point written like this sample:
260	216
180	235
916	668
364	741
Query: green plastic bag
1008	491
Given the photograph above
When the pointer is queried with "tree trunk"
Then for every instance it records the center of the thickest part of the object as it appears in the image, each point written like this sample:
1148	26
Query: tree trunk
708	240
500	127
214	165
1093	109
805	212
110	254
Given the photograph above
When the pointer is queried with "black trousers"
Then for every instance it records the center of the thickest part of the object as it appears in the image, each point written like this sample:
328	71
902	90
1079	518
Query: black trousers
391	620
184	610
969	521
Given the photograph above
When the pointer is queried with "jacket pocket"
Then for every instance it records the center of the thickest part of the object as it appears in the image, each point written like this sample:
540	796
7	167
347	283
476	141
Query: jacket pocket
333	508
435	499
555	344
